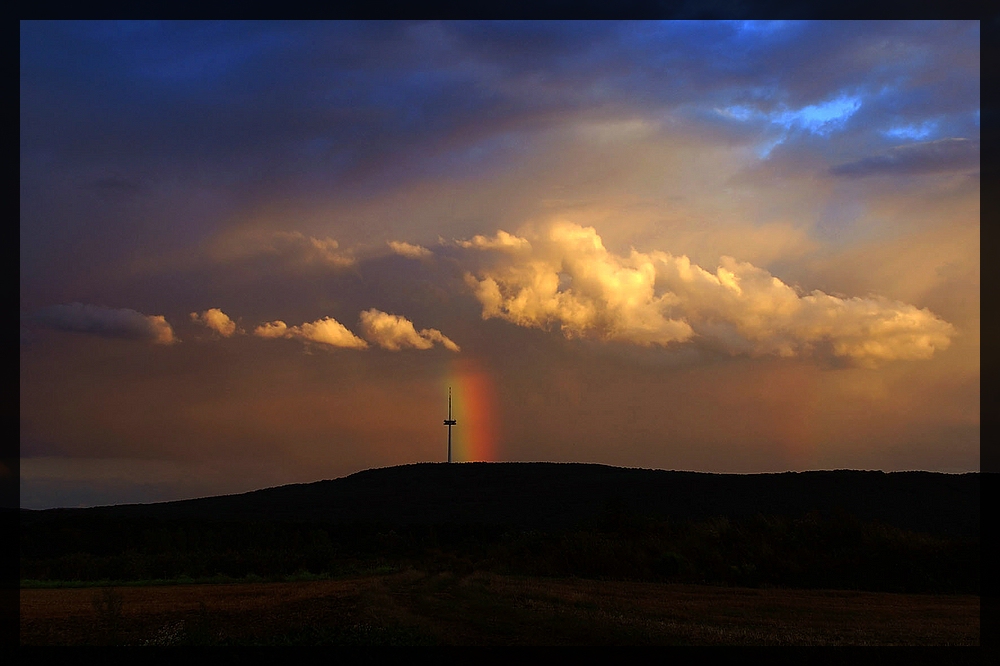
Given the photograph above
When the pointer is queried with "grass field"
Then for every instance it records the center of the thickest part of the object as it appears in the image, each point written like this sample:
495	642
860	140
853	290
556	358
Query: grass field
419	608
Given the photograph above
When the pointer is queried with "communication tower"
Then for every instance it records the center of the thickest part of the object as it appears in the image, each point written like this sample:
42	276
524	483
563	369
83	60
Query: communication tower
449	422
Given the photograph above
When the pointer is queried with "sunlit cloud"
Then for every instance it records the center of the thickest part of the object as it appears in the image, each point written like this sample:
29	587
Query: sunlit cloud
409	250
570	282
394	332
273	329
107	322
216	320
326	331
389	331
501	241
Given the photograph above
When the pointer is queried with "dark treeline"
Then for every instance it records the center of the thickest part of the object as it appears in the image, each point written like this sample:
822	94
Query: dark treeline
904	532
810	552
565	495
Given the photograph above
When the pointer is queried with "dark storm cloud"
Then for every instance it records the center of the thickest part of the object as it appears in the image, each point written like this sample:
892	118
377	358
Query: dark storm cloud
264	102
929	157
269	102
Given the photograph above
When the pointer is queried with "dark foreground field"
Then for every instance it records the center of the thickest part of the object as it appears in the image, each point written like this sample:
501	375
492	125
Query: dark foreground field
418	608
519	553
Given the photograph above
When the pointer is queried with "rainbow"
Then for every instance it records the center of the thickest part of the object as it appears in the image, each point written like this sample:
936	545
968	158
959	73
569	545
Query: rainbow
474	404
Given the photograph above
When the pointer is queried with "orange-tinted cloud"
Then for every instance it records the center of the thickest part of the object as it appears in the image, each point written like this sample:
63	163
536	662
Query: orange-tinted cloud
217	320
565	277
409	250
326	331
394	332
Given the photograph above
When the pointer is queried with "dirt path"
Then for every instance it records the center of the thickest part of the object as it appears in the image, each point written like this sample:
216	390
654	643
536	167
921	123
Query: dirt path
487	609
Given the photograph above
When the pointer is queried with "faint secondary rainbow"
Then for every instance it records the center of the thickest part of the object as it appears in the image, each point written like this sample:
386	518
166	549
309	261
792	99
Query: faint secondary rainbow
474	405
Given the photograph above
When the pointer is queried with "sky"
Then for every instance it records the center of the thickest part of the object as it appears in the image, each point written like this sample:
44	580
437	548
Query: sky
254	254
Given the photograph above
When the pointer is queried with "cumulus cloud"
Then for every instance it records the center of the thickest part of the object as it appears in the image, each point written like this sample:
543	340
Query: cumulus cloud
394	332
565	278
325	331
568	279
217	320
329	331
107	322
273	329
409	250
388	331
501	241
925	157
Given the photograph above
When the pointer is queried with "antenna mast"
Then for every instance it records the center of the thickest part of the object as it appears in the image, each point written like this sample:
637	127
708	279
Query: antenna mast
449	422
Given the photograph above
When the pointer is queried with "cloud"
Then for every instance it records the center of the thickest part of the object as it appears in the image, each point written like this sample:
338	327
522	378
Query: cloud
329	331
770	317
501	241
217	320
317	250
326	331
274	329
569	281
914	158
409	250
394	332
292	247
107	322
388	331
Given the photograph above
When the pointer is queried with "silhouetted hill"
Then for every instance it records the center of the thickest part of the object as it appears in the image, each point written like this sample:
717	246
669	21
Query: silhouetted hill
566	495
